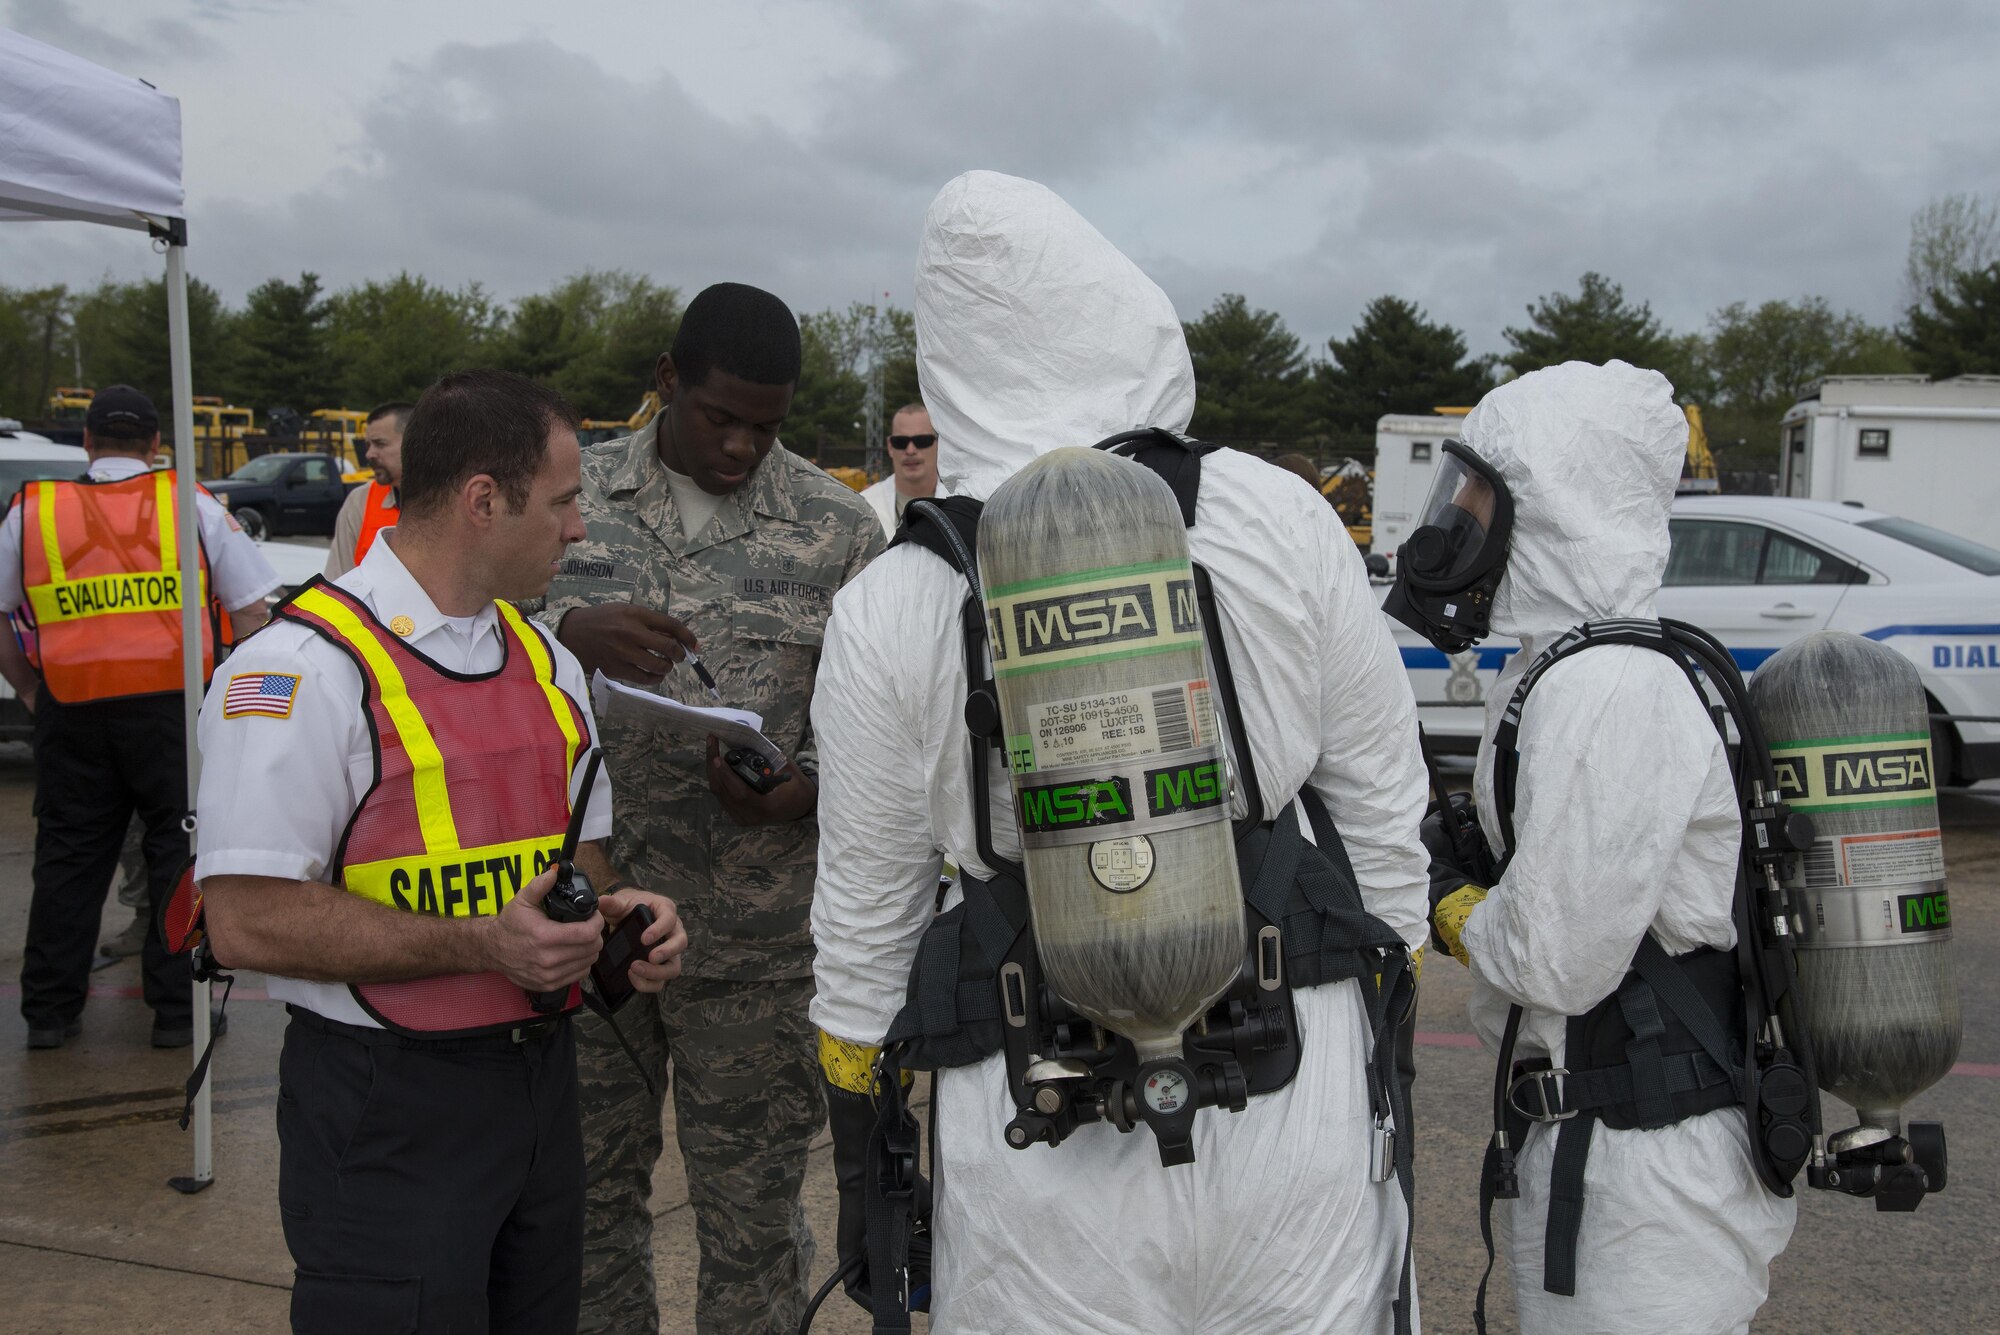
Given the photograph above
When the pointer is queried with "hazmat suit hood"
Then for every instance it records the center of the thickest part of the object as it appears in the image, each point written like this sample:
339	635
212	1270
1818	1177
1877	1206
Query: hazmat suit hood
1034	332
1591	455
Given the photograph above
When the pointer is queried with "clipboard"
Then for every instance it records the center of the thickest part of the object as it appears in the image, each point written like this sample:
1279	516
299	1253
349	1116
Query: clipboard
617	702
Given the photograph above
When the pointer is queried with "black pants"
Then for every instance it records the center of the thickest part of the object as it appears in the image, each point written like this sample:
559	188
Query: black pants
430	1186
95	765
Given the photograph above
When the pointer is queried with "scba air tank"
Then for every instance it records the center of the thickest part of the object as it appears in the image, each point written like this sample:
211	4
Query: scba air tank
1849	730
1120	785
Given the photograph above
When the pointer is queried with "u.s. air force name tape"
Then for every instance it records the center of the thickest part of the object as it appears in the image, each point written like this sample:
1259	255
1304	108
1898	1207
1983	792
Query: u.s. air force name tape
1844	773
1093	617
1081	804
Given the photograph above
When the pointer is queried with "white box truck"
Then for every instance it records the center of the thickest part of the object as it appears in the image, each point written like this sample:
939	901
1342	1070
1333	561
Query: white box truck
1927	450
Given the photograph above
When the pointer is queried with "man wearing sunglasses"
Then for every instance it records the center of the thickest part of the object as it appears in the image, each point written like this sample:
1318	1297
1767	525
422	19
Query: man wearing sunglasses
913	466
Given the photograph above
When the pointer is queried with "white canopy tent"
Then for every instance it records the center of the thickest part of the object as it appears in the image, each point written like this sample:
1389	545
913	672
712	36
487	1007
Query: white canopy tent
79	143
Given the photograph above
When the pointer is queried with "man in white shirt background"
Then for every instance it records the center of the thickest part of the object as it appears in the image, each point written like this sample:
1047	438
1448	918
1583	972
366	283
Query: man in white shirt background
378	847
913	467
89	570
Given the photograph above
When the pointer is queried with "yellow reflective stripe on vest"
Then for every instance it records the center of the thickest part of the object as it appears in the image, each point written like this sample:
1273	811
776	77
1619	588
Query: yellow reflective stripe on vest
458	883
51	547
163	500
434	817
545	677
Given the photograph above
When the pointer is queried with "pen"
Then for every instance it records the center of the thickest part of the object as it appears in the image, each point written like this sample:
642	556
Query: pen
706	679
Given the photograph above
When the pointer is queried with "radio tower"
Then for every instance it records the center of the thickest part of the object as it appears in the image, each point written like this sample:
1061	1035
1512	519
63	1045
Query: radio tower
874	455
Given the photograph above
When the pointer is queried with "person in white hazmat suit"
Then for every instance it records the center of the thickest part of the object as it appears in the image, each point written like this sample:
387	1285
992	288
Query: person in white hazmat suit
1034	332
1626	823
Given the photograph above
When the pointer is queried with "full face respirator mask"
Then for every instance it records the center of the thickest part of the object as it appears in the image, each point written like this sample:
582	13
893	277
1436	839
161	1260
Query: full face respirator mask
1450	565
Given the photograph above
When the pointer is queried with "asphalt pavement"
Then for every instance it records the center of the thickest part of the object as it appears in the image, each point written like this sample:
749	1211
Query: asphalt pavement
92	1239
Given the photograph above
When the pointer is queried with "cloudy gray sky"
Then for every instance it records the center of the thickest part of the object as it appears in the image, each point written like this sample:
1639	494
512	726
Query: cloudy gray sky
1313	154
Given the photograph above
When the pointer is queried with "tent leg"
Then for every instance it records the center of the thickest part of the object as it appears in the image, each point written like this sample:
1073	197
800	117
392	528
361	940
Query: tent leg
193	611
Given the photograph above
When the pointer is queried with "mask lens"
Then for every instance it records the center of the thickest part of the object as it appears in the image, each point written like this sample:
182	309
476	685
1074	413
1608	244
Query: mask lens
1452	529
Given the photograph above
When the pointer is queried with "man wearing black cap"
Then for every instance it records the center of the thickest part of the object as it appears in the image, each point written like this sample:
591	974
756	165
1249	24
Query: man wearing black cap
90	572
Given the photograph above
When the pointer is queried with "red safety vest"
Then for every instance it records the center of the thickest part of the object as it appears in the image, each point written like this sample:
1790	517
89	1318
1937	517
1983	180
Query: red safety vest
375	517
470	801
101	565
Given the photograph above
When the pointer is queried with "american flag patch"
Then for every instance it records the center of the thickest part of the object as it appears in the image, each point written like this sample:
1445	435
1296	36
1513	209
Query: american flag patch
267	693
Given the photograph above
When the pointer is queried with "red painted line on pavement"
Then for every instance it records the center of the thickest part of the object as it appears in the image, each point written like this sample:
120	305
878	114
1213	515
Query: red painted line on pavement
1977	1068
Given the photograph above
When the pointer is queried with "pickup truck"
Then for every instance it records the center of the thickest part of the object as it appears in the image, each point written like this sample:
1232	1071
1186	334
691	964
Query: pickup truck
275	495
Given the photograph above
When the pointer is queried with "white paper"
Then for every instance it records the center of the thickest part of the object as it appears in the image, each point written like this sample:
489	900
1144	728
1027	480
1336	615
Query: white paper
614	700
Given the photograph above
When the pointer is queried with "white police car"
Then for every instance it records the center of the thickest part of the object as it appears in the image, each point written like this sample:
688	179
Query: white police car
1759	572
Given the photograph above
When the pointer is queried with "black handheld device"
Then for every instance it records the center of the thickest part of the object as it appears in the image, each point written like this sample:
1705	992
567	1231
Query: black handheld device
571	898
623	947
753	769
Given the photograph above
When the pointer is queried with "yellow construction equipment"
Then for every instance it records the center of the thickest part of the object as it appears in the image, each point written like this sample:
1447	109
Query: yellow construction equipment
70	402
219	429
1698	473
853	477
597	430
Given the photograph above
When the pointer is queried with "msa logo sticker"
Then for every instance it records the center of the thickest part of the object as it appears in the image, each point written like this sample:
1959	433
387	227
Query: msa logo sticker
1096	617
1875	772
1924	913
1791	777
1179	788
1055	807
1092	617
1181	605
1830	773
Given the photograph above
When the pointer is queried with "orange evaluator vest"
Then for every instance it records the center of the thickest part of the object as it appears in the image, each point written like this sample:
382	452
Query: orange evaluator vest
375	518
469	804
101	565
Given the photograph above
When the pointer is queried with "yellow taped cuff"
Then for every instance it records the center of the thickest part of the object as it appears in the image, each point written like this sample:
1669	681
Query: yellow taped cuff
1416	968
1450	917
850	1066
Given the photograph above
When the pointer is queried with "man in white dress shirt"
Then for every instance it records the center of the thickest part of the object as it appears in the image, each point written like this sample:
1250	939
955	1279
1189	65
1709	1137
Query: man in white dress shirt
390	768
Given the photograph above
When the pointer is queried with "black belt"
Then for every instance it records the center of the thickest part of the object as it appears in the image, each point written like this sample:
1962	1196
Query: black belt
534	1031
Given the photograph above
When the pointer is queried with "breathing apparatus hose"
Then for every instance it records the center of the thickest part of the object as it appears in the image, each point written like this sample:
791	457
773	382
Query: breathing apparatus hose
848	1268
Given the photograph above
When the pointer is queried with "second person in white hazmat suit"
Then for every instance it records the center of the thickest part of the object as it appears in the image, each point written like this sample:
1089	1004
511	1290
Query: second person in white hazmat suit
1035	333
1626	823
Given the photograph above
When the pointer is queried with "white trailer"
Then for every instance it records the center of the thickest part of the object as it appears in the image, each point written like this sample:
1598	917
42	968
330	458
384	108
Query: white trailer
1921	449
1407	450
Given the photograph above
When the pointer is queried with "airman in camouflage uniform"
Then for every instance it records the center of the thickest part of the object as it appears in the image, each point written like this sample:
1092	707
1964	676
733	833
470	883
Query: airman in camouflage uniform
754	586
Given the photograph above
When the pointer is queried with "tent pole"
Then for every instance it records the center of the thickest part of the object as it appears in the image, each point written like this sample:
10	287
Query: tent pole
193	611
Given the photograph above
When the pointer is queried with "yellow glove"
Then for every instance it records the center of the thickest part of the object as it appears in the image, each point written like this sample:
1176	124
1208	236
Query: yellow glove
1449	917
850	1066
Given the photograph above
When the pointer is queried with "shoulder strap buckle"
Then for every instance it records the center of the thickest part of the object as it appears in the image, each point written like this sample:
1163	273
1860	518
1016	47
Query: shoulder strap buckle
1547	1095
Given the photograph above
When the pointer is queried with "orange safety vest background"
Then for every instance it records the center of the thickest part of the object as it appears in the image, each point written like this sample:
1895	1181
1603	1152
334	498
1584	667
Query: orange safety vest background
463	813
375	517
100	563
